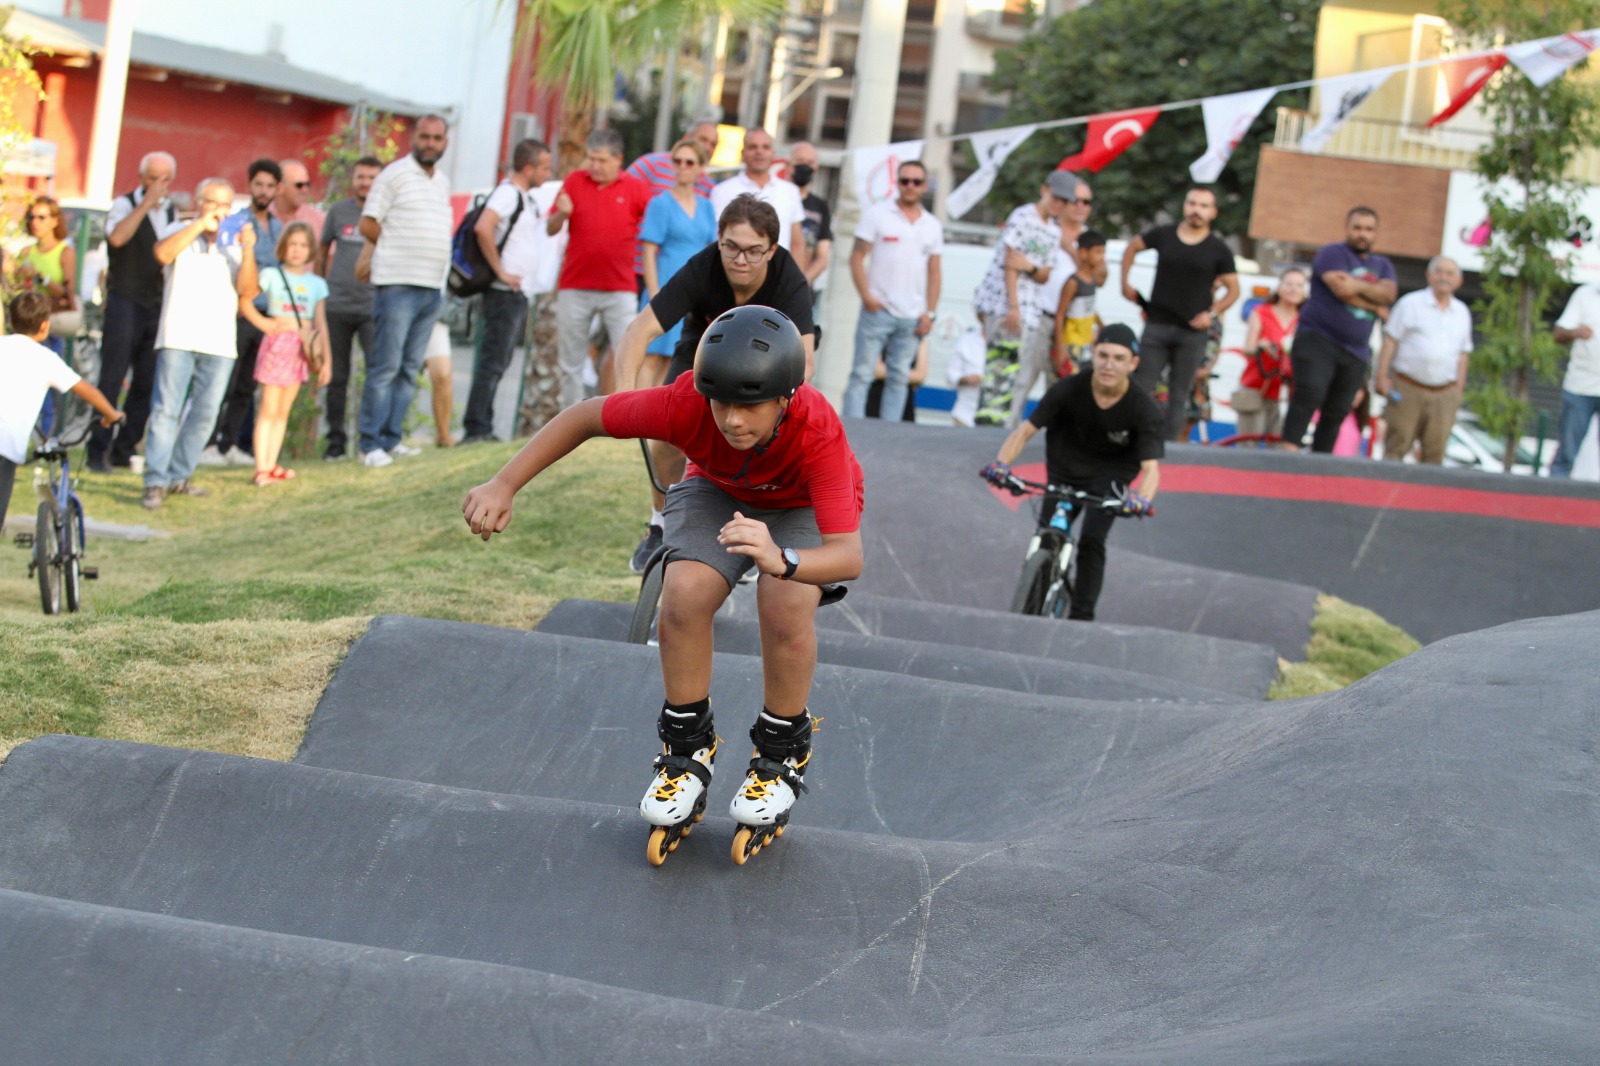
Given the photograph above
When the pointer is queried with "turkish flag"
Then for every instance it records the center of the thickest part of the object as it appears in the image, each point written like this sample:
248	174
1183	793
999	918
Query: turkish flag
1464	77
1109	136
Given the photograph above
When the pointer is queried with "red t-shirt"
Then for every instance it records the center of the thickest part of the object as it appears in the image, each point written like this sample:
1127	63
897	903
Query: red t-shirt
603	221
810	464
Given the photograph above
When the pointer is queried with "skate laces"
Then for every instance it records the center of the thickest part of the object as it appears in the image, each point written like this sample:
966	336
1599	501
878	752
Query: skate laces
759	784
668	786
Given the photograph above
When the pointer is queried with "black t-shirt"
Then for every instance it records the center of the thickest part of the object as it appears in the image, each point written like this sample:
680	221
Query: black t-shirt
1084	443
699	292
1186	274
818	223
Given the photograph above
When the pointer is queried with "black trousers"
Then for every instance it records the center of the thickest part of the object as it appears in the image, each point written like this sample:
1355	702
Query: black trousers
241	398
505	314
127	347
1090	573
8	477
343	329
1326	379
1181	348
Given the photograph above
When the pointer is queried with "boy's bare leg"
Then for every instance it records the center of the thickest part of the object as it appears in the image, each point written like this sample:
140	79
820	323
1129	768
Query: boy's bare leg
788	613
691	592
443	399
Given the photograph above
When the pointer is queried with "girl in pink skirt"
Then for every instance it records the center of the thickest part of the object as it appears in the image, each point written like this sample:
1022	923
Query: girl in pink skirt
296	330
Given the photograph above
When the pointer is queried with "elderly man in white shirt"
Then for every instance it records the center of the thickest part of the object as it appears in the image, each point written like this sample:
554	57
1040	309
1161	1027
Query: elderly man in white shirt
757	179
1426	345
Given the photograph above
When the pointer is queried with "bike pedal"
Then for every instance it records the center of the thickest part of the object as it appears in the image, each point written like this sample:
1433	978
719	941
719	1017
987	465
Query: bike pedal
23	540
89	573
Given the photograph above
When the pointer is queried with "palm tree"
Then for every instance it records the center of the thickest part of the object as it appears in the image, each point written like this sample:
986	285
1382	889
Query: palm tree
582	45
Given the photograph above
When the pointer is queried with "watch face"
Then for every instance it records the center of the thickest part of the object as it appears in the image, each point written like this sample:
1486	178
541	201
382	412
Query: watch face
791	557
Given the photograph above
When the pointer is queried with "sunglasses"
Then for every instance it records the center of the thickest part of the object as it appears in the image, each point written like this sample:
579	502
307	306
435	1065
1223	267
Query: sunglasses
686	162
41	218
913	181
302	184
1086	201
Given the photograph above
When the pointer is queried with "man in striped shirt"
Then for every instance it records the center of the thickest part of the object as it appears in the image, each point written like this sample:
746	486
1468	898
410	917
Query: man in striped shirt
655	170
407	222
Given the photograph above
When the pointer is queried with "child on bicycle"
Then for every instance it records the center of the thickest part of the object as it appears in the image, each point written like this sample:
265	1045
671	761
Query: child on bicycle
772	484
28	371
1101	430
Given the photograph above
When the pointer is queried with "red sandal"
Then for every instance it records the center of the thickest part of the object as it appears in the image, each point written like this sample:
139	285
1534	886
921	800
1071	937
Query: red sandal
262	479
278	473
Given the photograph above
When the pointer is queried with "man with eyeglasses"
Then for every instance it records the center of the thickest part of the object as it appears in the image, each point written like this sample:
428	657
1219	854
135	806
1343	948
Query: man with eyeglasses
895	267
294	194
602	208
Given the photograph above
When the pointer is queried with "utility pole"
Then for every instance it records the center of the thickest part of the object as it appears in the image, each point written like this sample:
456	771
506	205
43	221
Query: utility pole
109	95
877	83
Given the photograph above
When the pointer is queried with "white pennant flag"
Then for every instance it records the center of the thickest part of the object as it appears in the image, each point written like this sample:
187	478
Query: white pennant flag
876	170
1341	97
992	148
1227	119
1544	61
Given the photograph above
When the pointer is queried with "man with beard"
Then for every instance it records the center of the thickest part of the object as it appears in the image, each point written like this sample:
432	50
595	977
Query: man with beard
407	223
1350	286
265	177
1192	263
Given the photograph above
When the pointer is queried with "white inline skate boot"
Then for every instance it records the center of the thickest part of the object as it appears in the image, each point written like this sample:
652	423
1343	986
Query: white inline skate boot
676	798
774	781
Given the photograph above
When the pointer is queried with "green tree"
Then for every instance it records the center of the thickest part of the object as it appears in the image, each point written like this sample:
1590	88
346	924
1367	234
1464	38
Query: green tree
374	133
1537	134
1117	54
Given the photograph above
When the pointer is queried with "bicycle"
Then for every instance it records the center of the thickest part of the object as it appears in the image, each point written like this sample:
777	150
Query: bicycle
1045	586
59	534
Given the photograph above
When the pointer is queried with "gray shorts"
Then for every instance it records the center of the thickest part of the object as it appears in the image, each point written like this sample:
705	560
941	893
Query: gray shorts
697	510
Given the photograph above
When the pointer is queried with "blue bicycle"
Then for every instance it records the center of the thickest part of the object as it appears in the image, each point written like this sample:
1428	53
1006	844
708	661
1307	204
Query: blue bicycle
58	533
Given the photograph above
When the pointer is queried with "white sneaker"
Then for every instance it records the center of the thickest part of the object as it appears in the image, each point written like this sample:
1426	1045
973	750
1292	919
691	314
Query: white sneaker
237	456
212	456
403	449
376	457
676	791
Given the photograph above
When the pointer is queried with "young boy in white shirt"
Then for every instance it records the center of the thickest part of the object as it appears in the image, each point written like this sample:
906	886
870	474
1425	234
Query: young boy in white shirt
28	371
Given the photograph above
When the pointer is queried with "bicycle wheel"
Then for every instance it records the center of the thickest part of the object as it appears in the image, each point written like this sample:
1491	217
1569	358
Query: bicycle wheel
1034	584
642	629
1061	595
72	556
46	543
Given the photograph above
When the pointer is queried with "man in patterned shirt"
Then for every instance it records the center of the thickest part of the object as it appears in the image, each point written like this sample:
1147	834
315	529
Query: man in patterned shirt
1007	302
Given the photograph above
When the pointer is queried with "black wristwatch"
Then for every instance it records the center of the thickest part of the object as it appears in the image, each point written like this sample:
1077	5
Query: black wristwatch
791	563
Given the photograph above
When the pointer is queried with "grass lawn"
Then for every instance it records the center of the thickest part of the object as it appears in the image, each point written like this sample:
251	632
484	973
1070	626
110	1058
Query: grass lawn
222	635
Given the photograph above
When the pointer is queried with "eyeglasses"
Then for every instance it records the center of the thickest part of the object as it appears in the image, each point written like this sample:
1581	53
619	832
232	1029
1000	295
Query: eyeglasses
302	185
40	218
733	253
686	162
913	181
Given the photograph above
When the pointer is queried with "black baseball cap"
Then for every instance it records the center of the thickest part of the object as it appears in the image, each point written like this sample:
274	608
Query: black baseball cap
1117	333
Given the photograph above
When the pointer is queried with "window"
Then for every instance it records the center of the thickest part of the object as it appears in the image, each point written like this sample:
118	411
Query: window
844	52
835	120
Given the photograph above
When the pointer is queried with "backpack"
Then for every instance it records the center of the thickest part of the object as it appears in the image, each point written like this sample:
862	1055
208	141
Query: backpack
469	272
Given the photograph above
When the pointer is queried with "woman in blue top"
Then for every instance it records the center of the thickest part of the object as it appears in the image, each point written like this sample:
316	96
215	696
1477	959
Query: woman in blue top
677	224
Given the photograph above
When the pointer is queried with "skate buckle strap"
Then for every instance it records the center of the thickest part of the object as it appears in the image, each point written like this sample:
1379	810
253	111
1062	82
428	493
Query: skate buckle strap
683	764
773	768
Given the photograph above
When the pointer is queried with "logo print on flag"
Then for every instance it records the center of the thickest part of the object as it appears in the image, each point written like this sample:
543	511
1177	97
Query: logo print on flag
1341	98
1227	119
992	148
876	169
1108	137
1464	77
1545	60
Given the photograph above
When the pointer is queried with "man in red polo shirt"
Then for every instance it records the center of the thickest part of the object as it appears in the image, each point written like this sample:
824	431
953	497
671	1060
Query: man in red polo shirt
602	208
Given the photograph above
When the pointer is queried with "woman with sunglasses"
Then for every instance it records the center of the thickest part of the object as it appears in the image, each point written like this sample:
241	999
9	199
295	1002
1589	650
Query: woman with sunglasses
677	223
744	265
50	264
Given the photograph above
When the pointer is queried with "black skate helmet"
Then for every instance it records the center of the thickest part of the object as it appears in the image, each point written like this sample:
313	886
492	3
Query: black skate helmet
749	355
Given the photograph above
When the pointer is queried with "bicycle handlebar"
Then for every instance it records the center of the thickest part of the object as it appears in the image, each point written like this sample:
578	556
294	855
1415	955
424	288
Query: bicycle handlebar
1019	486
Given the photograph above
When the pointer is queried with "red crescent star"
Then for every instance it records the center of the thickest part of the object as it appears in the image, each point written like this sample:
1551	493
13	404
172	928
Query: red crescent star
1132	126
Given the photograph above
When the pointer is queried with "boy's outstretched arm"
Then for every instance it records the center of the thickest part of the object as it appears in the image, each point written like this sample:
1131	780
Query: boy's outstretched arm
109	415
487	508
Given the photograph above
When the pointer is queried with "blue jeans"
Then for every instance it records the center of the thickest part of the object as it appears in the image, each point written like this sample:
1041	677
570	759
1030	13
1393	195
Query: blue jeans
880	333
188	392
1576	414
403	317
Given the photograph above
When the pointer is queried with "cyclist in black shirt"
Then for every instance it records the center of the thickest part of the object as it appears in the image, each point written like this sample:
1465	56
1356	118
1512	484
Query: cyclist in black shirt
744	266
1101	430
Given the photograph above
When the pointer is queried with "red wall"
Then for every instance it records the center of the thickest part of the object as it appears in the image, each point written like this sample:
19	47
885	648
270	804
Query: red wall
212	134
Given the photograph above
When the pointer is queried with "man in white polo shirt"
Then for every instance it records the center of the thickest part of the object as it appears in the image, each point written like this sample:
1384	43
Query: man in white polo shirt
895	266
407	221
1579	326
1426	344
757	179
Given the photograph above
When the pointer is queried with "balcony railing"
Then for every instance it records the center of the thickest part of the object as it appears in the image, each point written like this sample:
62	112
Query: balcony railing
1391	141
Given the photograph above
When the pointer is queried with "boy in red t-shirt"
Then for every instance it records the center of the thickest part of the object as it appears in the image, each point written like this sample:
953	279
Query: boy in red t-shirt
771	483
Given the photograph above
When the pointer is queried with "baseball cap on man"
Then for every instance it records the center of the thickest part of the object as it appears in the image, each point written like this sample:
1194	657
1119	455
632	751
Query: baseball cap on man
1117	333
1063	184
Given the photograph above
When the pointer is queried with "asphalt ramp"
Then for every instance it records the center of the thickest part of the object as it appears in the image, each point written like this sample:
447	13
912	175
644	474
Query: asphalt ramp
1404	870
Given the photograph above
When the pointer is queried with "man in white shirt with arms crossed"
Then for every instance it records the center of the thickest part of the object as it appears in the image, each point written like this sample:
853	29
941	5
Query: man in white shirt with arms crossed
1426	343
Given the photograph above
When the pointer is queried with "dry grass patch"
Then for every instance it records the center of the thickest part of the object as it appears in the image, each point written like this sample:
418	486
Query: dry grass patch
1347	644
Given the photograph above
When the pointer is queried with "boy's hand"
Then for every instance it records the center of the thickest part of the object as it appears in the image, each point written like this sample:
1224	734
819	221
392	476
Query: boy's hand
247	237
107	421
487	509
747	536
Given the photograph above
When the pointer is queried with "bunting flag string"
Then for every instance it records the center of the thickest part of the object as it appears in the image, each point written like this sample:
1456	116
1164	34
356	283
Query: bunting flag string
1545	60
992	148
1227	120
1464	77
1108	137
